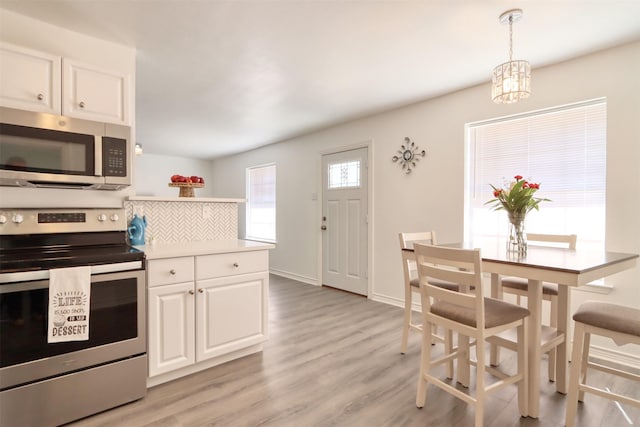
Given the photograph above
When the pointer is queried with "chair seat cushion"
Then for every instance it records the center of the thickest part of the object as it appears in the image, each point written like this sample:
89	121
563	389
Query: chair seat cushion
523	284
496	312
439	283
608	316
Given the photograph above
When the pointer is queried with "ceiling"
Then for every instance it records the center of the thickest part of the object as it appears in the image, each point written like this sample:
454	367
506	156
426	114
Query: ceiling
219	77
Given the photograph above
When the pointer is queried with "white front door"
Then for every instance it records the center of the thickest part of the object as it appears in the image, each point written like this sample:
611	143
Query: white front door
344	220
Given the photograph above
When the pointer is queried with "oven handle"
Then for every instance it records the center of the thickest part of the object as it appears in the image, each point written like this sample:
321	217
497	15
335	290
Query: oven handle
25	276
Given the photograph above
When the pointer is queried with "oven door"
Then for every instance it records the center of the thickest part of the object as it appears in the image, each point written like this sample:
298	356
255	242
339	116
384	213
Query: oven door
116	328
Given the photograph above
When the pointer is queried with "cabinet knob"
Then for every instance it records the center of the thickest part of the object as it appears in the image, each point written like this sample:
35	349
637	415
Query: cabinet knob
191	292
236	265
201	290
40	97
81	104
172	272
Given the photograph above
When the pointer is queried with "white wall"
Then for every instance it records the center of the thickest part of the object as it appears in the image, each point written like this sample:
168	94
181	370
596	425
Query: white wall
432	196
153	174
30	33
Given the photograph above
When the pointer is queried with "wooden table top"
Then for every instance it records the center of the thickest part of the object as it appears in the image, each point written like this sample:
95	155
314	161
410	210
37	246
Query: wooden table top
576	261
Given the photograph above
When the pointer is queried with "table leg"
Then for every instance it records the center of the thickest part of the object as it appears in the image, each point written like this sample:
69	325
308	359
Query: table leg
496	292
564	307
534	302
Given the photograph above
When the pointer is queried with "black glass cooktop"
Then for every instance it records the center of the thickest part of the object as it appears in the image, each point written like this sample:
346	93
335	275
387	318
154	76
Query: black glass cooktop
44	252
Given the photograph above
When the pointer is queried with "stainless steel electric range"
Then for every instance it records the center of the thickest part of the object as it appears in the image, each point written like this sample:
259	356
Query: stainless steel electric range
46	383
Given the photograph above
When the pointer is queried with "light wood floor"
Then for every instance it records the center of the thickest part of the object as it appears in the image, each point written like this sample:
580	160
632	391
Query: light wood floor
333	359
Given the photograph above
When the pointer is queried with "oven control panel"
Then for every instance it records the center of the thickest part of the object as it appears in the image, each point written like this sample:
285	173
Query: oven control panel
36	221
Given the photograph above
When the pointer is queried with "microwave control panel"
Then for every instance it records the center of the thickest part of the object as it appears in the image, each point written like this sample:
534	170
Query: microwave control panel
114	156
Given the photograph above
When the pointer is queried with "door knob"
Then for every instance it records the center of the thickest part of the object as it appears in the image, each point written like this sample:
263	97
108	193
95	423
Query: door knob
324	227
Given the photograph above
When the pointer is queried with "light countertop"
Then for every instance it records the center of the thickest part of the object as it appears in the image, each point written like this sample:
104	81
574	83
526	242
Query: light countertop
178	249
184	199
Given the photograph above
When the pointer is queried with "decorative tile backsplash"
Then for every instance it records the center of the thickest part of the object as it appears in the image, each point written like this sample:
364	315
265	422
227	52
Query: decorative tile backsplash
175	221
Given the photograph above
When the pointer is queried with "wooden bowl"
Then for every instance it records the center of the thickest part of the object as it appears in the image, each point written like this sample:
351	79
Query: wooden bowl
186	188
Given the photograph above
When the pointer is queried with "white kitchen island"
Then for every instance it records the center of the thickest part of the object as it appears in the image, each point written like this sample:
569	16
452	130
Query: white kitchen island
207	304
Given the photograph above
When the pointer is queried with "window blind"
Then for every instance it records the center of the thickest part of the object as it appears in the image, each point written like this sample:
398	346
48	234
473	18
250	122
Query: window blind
562	149
261	203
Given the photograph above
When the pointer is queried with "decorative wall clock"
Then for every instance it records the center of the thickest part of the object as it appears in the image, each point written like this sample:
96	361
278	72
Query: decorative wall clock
408	155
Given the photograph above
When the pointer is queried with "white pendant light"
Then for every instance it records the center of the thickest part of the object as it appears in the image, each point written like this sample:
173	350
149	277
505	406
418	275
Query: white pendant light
511	80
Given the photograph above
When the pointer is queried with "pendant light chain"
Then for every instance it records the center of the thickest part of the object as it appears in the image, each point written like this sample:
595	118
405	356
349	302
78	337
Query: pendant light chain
510	38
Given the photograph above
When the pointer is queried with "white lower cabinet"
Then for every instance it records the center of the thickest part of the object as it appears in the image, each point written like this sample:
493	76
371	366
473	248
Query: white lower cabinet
230	314
215	317
171	328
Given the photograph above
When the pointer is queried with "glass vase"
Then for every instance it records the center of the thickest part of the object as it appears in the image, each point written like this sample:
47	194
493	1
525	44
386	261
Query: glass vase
517	238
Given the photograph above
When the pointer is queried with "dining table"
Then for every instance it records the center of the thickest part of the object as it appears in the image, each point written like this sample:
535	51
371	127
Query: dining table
569	268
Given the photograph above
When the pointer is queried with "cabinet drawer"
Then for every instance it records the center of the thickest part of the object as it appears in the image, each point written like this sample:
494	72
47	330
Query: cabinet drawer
169	270
220	265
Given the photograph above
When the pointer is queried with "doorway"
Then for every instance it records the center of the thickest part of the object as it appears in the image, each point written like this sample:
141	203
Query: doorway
345	220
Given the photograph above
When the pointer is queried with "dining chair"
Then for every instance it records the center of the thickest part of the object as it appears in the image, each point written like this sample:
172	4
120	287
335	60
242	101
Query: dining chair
412	285
622	325
518	286
473	317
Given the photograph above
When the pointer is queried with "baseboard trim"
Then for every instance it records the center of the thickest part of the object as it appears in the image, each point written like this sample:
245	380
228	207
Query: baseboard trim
615	359
293	276
416	306
387	300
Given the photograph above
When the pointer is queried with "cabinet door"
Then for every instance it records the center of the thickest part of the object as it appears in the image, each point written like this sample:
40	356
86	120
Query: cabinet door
171	327
231	313
94	94
29	80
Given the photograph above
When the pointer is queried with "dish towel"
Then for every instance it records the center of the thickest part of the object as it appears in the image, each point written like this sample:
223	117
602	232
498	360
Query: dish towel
69	303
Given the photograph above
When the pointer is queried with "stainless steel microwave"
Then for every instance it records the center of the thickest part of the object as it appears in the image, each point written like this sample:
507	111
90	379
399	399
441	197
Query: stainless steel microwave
46	150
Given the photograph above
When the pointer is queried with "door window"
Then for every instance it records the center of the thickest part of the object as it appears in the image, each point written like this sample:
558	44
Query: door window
344	175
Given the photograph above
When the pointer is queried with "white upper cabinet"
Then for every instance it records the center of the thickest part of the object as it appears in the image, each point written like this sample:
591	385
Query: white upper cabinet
37	81
94	94
29	80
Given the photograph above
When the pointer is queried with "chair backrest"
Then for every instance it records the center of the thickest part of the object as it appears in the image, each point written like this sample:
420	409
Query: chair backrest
406	242
407	239
461	266
569	239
